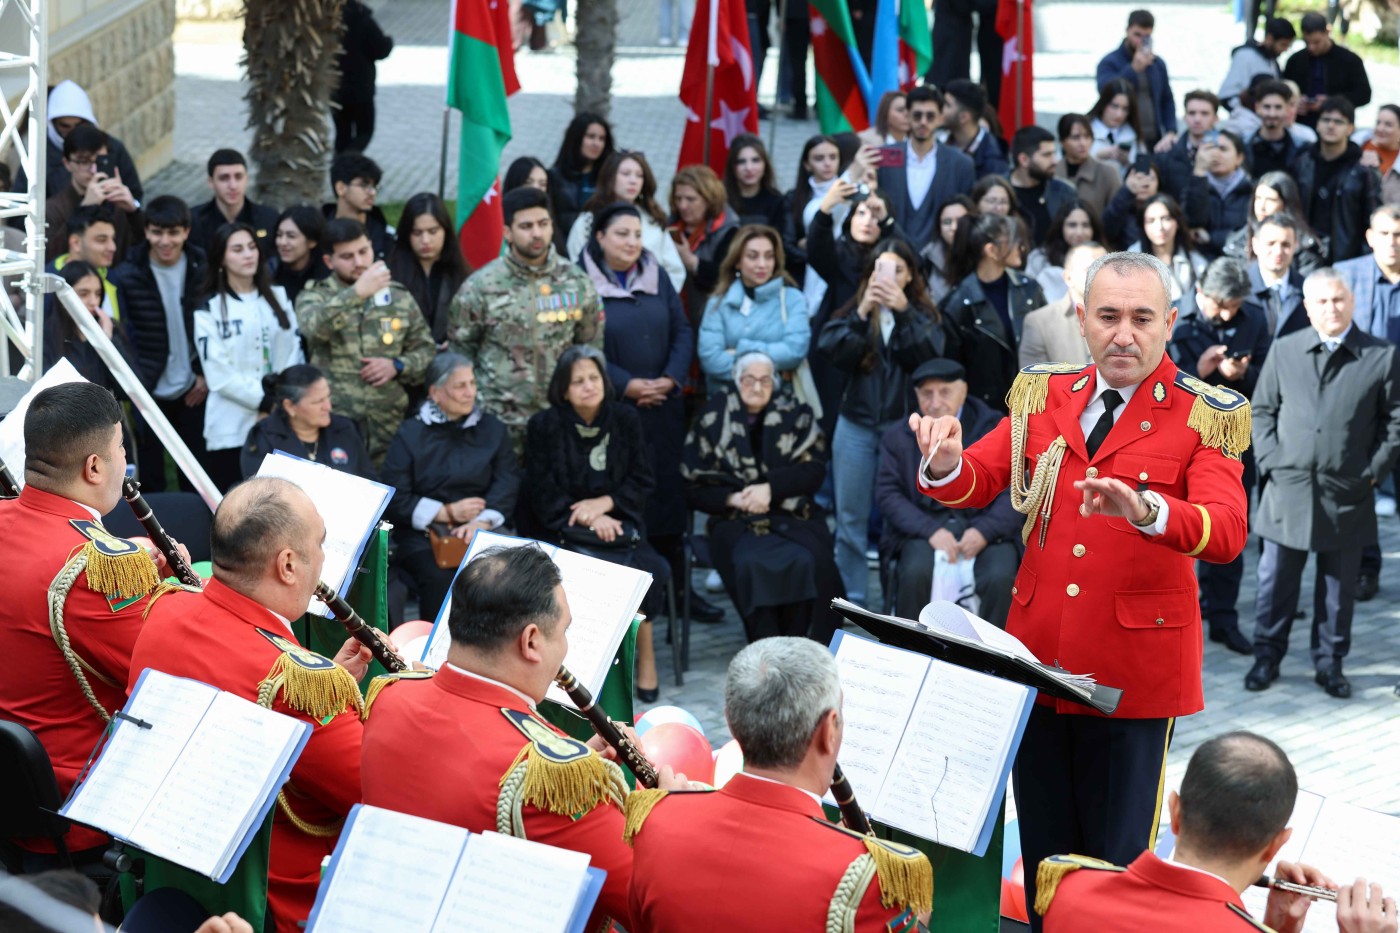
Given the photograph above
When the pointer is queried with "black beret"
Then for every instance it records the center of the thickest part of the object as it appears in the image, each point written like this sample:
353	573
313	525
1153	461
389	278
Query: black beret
938	368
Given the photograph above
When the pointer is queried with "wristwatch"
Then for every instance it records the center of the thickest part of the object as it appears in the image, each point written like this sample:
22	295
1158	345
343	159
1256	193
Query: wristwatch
1150	502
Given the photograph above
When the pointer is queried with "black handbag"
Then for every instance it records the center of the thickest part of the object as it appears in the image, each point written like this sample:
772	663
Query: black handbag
582	538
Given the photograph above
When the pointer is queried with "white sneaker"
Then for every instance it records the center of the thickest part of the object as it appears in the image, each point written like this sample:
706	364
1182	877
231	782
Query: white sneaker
713	583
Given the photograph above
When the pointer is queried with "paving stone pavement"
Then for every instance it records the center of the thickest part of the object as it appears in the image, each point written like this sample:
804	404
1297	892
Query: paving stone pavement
1346	748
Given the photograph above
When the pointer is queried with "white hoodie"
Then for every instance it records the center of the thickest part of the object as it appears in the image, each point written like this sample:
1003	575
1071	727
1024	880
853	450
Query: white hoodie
67	99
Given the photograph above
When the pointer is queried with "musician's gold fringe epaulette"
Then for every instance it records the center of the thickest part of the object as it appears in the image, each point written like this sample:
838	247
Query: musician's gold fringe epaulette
640	803
165	588
1053	870
377	685
1219	415
906	877
1029	391
566	787
316	690
124	576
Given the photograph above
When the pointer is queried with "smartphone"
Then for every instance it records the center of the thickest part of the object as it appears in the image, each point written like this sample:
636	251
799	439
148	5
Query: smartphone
1147	43
103	165
884	270
677	236
891	156
1211	137
1236	354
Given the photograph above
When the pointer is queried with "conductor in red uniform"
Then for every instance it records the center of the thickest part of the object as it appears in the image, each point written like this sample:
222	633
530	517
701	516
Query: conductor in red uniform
759	854
236	635
73	471
1230	821
466	746
1134	473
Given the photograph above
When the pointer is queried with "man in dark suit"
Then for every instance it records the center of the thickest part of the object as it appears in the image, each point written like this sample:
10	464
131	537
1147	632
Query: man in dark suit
1276	287
931	174
1326	430
916	526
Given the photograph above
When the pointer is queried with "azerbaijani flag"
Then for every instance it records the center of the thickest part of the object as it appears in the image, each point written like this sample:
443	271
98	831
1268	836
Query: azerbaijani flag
843	85
915	42
902	51
481	76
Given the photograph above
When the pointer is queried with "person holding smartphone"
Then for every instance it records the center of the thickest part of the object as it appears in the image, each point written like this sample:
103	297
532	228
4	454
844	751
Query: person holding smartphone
93	180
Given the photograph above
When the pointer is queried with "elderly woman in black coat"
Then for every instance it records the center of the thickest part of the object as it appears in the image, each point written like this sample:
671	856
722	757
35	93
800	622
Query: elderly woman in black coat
590	476
300	422
452	468
753	459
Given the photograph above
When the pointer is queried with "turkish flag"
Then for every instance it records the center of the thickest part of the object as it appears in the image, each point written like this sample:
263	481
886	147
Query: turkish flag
719	39
1016	48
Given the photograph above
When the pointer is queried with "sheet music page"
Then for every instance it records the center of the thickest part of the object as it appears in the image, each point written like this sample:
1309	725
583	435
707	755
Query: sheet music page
435	653
349	505
603	598
390	874
879	685
12	428
952	756
504	883
950	617
205	806
136	761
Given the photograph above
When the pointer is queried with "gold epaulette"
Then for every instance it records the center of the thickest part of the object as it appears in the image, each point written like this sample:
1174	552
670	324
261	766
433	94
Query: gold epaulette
308	682
639	805
377	685
1032	386
1243	914
555	773
905	875
117	568
1053	870
1220	415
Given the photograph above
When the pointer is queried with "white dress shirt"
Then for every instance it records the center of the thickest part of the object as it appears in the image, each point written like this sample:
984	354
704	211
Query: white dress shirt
918	173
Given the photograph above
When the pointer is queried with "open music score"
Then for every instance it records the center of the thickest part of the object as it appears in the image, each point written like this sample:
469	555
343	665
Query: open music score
603	598
189	773
432	877
927	745
1345	842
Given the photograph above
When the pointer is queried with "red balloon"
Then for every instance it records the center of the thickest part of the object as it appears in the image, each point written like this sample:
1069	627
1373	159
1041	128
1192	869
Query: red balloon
1013	894
682	747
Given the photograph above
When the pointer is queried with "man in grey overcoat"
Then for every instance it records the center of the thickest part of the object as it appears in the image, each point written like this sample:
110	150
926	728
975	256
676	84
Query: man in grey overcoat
1326	431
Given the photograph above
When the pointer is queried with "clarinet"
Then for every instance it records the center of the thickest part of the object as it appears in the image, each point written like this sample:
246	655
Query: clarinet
340	609
179	567
851	813
607	730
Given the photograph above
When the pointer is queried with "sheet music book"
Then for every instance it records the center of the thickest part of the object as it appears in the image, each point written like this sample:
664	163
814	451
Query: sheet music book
421	876
603	598
928	745
1345	842
12	428
188	773
949	633
351	507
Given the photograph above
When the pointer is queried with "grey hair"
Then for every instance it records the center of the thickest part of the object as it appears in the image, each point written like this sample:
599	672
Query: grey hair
442	367
1318	276
776	692
1226	279
745	360
1126	263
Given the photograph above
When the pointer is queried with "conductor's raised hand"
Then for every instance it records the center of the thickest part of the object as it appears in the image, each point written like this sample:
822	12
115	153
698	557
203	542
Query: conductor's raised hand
940	442
1105	495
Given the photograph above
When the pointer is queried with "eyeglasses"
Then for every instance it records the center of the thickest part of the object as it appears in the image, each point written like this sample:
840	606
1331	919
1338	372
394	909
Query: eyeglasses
923	116
369	186
750	382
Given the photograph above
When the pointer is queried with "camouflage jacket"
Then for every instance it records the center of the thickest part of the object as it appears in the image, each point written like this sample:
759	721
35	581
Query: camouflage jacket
341	329
514	321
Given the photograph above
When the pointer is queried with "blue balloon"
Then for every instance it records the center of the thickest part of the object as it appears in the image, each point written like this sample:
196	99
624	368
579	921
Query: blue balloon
657	715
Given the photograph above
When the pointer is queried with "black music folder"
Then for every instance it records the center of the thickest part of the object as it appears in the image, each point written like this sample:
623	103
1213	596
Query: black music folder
949	633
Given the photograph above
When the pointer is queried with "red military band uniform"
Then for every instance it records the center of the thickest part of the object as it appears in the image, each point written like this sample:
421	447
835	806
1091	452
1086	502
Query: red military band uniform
760	856
1078	894
41	692
223	638
465	750
1097	595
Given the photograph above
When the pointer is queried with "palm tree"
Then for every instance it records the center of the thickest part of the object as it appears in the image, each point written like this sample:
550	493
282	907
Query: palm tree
290	49
595	40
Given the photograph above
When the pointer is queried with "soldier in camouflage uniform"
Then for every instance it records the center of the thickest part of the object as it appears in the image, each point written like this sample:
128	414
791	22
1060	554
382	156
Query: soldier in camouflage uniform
517	314
366	332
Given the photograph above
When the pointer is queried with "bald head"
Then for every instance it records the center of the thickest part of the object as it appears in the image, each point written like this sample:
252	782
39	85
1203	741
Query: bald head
261	525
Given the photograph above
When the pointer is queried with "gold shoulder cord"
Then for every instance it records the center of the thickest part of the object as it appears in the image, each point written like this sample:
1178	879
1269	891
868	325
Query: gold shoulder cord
1026	398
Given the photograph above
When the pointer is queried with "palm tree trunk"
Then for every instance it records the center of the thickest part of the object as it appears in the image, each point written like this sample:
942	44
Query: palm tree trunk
290	49
595	39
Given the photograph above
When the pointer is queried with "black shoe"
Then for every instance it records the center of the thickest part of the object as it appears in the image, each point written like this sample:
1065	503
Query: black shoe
1233	639
1367	585
702	610
649	696
764	113
1334	681
1261	675
799	112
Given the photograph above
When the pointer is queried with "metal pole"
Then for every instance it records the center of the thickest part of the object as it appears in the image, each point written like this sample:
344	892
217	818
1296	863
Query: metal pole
1020	60
135	391
709	108
711	60
36	170
442	159
777	85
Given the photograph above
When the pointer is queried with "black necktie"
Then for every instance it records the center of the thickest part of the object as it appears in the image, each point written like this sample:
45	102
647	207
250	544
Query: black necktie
1111	401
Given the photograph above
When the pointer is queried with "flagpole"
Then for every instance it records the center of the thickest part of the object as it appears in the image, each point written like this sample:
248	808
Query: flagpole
1020	59
442	159
711	60
777	85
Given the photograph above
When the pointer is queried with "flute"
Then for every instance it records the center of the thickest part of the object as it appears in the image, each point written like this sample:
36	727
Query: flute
342	611
607	730
1292	887
851	813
